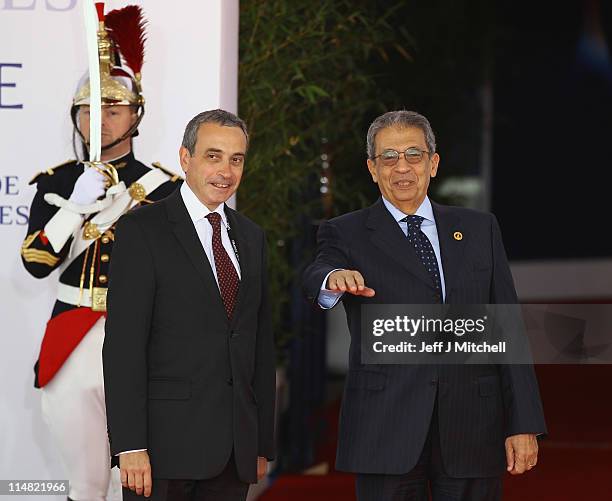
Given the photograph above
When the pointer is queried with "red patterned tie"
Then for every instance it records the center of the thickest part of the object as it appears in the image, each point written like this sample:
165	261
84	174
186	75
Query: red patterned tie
226	273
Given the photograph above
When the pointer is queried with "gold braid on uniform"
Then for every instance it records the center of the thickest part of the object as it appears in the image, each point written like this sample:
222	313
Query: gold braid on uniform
82	278
36	255
174	177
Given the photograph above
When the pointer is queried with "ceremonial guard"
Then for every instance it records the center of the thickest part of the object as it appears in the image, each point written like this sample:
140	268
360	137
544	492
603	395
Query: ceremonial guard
71	228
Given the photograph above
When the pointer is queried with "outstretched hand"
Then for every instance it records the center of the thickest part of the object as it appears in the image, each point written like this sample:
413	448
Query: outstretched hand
350	281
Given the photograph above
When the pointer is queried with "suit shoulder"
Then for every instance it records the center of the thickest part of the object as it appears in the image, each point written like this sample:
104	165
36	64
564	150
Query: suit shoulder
147	214
60	170
350	220
243	220
350	217
478	221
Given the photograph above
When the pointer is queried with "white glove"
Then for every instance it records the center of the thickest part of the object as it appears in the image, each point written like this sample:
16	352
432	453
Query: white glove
90	186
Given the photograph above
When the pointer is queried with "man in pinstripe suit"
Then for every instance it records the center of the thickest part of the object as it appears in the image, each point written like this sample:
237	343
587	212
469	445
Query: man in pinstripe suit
408	429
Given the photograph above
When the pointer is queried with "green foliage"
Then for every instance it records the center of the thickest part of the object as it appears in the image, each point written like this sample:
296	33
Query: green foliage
303	77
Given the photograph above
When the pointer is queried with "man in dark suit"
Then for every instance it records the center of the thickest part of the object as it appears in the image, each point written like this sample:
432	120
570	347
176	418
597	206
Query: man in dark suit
403	427
189	364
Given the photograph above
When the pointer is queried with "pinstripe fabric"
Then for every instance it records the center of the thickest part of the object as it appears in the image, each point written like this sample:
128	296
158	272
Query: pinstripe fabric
387	409
428	476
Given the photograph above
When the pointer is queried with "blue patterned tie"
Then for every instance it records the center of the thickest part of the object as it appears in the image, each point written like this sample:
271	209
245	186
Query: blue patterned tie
424	250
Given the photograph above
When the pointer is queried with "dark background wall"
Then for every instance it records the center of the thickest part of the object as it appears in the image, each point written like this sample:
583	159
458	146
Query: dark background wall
553	128
546	70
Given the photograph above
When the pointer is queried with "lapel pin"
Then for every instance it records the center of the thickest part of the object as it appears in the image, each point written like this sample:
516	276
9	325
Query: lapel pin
458	235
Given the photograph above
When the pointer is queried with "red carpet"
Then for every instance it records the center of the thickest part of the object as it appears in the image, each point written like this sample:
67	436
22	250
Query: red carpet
575	461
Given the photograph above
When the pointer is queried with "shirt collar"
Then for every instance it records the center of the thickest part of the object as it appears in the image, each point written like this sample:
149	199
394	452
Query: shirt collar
196	209
425	210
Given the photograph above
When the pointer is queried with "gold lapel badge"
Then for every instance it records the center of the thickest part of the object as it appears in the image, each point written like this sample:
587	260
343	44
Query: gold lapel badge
458	235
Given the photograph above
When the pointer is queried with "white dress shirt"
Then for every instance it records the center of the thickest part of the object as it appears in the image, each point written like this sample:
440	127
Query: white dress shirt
198	212
328	299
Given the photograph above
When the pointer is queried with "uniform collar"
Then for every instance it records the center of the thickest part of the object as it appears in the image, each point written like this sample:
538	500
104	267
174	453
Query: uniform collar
121	161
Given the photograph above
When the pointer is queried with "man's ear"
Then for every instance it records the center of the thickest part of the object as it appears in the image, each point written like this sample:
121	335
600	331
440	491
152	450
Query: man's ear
435	160
184	157
372	169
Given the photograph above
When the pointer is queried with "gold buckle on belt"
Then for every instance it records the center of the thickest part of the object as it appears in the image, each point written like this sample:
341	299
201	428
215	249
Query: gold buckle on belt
98	298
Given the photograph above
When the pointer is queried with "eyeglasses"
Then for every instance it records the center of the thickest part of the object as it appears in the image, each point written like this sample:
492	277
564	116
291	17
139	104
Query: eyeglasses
412	155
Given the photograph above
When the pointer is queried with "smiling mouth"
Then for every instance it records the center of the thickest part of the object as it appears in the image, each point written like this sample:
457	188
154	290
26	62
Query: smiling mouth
405	183
221	186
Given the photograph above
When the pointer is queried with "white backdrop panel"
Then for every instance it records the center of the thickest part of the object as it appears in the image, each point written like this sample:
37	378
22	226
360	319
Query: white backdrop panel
190	65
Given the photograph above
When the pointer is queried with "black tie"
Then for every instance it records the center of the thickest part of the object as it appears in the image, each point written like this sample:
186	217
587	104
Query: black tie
424	250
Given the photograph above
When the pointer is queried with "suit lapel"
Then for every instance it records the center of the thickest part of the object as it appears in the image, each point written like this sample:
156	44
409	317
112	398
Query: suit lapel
389	238
452	249
245	256
186	234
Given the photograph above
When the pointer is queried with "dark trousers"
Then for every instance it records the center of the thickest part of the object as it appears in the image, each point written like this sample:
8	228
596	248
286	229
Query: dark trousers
428	476
225	487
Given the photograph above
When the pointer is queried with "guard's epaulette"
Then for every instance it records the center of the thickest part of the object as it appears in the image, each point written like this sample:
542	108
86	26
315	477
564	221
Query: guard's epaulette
174	177
51	170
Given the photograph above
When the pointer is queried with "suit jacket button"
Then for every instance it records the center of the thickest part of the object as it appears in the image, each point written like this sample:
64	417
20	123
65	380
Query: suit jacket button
230	381
433	382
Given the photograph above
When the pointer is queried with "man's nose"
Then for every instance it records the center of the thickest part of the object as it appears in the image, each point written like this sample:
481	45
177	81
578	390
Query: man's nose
225	168
402	164
105	117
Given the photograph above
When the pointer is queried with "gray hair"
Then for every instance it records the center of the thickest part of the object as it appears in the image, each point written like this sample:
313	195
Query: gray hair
220	117
400	118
